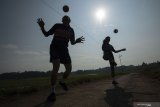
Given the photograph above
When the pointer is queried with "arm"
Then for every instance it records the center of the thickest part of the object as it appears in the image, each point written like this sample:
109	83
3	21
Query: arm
104	48
78	40
116	51
41	25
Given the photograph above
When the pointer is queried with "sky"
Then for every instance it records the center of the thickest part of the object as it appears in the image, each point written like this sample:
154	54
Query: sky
24	48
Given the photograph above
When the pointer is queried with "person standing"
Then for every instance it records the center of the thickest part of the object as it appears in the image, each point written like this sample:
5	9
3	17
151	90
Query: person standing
59	53
108	55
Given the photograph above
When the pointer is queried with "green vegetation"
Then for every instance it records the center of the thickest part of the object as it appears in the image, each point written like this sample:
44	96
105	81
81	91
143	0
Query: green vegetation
22	86
27	86
33	81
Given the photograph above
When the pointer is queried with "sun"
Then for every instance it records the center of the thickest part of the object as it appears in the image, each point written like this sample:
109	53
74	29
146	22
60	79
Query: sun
100	14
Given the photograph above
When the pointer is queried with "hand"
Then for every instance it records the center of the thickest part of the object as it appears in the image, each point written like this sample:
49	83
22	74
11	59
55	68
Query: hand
40	22
80	40
124	49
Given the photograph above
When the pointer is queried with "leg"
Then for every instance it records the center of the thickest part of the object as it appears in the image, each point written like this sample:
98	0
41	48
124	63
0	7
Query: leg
112	71
112	65
56	65
65	75
111	61
68	68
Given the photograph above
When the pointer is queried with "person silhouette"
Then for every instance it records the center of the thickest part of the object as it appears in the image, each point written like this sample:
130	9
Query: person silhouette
59	54
108	55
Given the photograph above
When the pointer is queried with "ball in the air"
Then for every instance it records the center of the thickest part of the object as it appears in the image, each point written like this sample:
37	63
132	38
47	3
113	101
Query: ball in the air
66	8
115	31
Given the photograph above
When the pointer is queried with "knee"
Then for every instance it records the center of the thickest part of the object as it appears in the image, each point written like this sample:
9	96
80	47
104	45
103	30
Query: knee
53	73
68	71
68	68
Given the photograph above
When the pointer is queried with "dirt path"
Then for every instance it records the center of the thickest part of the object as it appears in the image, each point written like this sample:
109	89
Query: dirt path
132	87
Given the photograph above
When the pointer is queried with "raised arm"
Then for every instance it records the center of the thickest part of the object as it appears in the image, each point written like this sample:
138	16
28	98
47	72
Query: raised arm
78	40
41	25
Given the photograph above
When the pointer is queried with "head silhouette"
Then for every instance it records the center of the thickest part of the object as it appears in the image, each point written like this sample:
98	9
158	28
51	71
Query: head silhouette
107	39
66	20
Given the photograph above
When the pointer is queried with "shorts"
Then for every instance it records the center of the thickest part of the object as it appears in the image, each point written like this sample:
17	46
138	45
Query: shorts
109	56
59	53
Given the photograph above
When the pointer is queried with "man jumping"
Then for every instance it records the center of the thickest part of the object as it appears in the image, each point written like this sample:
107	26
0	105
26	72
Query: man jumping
63	33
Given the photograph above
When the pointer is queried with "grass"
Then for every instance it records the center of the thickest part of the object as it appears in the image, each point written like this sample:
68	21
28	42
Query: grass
27	86
22	86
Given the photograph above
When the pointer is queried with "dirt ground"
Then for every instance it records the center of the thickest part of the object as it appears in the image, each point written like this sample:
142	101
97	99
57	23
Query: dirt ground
132	88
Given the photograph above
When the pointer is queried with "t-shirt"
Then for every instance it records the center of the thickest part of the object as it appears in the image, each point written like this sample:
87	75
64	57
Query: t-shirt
107	51
107	47
62	35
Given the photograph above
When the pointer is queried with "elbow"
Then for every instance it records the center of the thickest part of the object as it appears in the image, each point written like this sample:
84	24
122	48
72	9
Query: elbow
46	34
73	43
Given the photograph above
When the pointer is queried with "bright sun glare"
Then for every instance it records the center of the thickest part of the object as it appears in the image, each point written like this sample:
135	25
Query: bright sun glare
100	14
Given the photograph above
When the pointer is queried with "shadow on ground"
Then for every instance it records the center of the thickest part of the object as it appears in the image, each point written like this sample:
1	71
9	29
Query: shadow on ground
117	97
45	104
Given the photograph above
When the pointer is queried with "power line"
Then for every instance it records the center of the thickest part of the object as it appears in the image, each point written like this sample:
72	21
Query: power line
45	3
81	30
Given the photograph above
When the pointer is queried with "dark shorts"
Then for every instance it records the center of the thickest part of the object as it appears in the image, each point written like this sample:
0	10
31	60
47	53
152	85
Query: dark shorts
59	53
109	56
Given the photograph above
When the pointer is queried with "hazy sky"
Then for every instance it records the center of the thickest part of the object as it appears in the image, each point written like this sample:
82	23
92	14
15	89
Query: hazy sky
23	46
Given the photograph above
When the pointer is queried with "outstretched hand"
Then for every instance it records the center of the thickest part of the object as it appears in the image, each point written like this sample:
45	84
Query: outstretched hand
40	22
80	39
124	49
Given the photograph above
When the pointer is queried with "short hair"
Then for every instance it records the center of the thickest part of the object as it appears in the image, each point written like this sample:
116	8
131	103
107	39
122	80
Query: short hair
66	18
107	38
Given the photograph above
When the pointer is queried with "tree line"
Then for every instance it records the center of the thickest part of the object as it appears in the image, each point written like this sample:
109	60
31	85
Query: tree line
33	74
